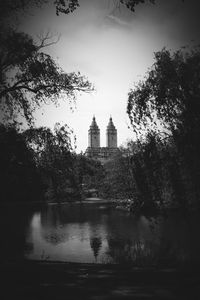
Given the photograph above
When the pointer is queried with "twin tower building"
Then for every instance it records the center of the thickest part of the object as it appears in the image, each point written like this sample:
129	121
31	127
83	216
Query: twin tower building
94	150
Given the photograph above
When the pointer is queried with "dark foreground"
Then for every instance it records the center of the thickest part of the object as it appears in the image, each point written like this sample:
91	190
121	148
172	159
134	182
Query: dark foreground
35	280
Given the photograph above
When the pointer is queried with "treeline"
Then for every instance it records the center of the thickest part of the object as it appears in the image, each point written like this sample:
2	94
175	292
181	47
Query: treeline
162	168
39	164
156	173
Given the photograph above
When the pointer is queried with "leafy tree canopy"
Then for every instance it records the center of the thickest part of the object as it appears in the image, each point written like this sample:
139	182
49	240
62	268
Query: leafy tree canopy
44	139
29	77
19	177
13	7
170	93
52	151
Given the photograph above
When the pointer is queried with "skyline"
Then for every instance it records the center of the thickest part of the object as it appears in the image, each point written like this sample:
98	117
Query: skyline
113	48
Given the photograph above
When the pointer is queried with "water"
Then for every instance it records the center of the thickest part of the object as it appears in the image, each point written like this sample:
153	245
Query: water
98	233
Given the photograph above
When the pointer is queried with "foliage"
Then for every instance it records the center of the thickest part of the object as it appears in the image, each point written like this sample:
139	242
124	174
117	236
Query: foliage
13	7
148	175
170	166
19	176
61	6
30	77
131	4
117	181
39	139
66	6
89	174
54	159
148	171
170	92
39	164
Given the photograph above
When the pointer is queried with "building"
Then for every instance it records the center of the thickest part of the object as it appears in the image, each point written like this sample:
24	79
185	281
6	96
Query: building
94	150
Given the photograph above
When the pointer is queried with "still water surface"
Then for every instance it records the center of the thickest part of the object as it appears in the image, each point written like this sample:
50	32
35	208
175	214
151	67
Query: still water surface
99	233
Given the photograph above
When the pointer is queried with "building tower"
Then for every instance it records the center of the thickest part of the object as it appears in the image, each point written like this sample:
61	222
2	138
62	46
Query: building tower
111	135
94	135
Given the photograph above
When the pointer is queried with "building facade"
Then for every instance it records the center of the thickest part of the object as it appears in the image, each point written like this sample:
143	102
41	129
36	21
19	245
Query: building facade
94	150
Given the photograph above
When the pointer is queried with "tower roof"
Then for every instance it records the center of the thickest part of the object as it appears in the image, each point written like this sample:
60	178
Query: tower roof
111	126
94	124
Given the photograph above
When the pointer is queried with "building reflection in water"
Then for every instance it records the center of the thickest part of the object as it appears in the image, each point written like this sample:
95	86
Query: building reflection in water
85	233
95	243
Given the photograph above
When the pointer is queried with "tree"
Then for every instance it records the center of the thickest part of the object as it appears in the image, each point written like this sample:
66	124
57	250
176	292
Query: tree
170	92
19	177
54	159
13	7
29	77
116	181
38	139
89	173
131	4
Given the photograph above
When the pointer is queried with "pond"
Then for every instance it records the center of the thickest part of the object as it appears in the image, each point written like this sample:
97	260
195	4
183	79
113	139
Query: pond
97	232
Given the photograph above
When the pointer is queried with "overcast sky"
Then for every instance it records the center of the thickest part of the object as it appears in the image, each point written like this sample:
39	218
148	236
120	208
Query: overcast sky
113	48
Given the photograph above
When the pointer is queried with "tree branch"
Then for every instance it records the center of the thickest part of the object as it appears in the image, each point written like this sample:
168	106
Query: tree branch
42	87
44	38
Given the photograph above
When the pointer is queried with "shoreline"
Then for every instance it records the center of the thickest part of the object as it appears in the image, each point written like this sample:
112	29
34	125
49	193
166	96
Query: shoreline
184	267
55	280
86	200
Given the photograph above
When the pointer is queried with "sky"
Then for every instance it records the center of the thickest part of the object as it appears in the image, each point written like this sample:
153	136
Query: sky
114	48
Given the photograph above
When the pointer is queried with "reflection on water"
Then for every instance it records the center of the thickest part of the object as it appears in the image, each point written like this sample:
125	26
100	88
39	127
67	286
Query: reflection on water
69	233
94	233
102	234
95	244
